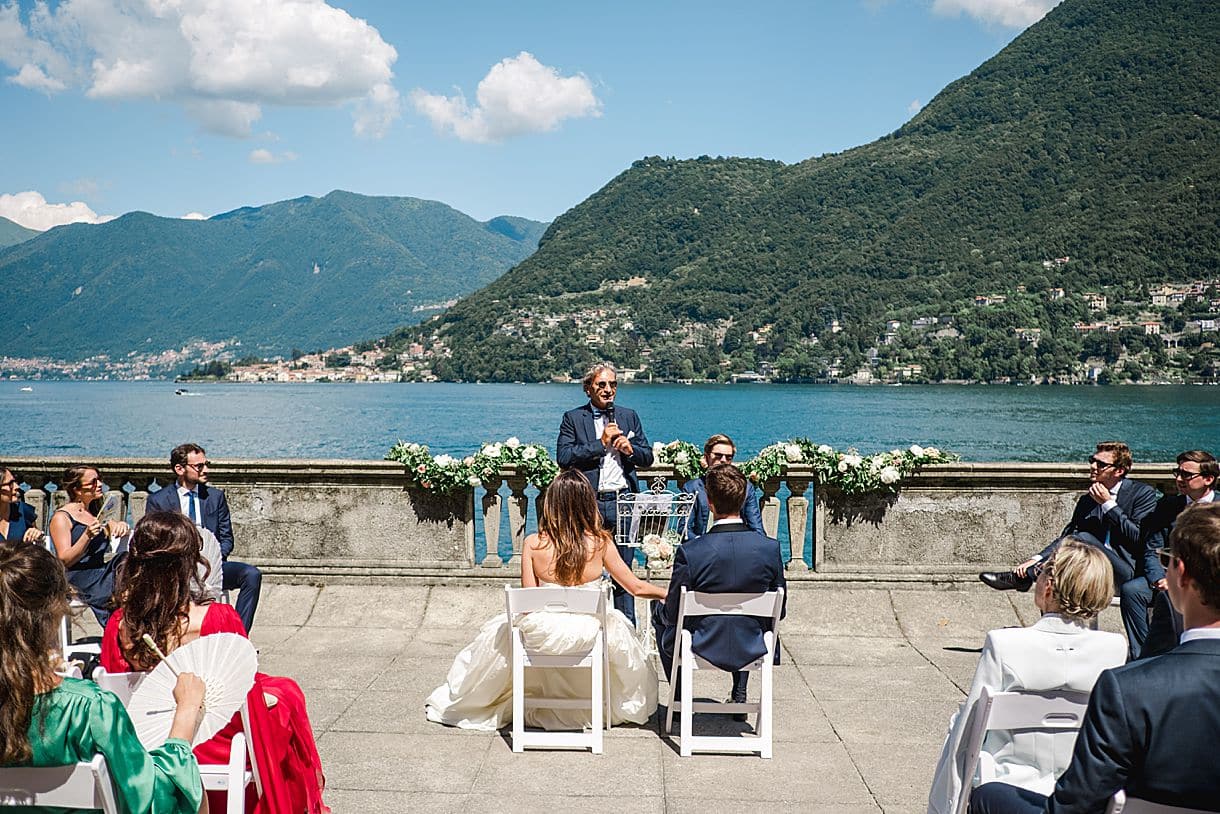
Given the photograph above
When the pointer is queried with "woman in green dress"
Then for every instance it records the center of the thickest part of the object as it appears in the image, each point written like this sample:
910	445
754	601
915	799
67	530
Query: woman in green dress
47	720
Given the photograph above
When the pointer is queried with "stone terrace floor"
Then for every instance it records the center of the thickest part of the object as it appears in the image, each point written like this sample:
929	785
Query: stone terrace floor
869	679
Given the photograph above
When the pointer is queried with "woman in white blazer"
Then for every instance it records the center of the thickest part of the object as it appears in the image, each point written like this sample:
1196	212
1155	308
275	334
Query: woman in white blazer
1059	652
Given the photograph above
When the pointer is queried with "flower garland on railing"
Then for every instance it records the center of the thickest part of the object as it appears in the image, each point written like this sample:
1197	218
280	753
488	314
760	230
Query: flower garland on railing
847	472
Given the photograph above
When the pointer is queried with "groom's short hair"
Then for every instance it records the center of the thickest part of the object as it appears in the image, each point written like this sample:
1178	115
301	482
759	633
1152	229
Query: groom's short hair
726	489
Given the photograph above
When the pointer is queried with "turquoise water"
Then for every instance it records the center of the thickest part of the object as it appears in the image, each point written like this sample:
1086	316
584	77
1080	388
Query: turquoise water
92	419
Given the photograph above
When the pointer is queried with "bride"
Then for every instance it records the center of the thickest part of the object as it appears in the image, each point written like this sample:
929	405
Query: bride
570	549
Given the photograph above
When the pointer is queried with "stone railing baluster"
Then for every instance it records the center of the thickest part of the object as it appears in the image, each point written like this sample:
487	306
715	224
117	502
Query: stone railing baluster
768	505
492	505
798	519
518	507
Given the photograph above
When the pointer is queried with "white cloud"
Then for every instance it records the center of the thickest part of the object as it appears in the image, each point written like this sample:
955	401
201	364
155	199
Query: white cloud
265	156
31	210
223	60
914	107
1011	13
519	95
194	216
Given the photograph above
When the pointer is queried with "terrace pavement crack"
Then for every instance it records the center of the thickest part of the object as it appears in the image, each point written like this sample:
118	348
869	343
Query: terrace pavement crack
906	636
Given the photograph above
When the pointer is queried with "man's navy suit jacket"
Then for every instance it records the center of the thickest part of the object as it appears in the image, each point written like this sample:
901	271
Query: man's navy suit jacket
699	512
728	559
1154	532
1122	523
1152	728
213	507
580	445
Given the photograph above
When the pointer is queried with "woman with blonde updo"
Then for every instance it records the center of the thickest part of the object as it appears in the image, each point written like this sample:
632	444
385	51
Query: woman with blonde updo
1059	652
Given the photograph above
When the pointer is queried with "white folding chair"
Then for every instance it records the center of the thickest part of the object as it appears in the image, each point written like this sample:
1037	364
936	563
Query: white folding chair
85	786
1054	710
232	777
693	604
590	601
1122	804
65	624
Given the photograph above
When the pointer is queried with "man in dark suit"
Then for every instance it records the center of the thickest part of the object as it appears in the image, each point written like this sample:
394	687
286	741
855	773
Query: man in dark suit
1151	725
607	443
719	449
1106	516
1194	476
207	507
730	558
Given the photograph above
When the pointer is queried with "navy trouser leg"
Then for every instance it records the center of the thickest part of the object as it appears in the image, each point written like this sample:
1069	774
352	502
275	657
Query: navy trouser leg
1163	633
248	581
624	601
1135	597
1001	798
1123	572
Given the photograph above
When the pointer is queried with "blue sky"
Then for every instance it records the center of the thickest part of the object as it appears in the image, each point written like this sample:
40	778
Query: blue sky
201	106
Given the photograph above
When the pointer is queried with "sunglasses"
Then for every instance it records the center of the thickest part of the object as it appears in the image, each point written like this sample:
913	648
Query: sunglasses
1100	464
606	386
1184	475
720	456
199	467
1165	556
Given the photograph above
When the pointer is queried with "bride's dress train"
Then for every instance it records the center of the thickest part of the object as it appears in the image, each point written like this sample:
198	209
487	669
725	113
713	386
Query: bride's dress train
478	691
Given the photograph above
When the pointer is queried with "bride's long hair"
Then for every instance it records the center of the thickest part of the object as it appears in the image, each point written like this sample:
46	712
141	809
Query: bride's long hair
569	522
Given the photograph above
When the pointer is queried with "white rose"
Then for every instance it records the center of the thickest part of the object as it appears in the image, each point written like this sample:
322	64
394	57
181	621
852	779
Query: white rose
413	447
874	464
895	452
931	452
492	450
889	475
681	457
468	460
916	450
792	452
474	481
443	460
825	449
657	446
852	460
513	443
529	453
842	467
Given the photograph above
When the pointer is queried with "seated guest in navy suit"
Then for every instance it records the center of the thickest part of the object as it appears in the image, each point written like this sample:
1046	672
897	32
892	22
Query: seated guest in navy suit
1194	477
719	449
1107	516
1151	727
17	520
730	558
207	508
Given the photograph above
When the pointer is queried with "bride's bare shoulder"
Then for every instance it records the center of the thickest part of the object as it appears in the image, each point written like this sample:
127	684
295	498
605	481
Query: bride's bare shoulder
536	541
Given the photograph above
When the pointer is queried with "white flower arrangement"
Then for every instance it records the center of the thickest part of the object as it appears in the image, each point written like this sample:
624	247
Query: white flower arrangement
513	443
659	549
793	453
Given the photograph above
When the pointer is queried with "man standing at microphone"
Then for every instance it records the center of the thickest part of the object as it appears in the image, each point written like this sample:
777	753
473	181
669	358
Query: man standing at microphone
606	443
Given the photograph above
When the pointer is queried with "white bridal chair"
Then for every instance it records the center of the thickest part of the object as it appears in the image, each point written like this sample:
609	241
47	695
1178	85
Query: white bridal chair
590	601
1054	710
692	604
232	777
1122	804
83	786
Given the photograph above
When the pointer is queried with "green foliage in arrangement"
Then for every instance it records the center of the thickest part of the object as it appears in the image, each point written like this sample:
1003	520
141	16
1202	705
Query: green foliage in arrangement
1095	134
847	472
309	272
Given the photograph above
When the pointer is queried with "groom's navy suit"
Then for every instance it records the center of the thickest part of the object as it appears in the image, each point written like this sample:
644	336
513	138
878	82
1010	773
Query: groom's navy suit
730	558
214	516
580	446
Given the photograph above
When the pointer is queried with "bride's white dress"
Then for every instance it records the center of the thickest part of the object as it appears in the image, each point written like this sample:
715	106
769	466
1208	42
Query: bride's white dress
478	692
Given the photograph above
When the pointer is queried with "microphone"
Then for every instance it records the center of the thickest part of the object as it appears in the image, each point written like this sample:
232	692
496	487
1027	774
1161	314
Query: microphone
608	411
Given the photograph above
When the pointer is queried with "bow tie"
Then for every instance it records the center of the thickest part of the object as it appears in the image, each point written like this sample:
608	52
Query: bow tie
599	413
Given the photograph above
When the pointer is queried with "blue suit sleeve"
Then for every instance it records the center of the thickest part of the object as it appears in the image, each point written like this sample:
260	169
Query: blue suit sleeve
1125	526
750	511
697	522
570	452
679	579
224	527
1153	533
641	454
1101	761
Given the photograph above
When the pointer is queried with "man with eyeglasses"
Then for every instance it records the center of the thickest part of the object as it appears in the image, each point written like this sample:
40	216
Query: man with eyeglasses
606	442
719	449
1151	725
1194	476
1107	516
208	508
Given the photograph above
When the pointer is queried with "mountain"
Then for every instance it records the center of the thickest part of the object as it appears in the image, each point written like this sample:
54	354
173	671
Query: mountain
307	273
14	233
1094	135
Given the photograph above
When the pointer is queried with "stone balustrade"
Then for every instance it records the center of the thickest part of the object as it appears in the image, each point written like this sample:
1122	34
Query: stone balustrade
344	520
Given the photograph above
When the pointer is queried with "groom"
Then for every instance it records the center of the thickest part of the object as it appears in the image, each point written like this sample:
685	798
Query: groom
730	558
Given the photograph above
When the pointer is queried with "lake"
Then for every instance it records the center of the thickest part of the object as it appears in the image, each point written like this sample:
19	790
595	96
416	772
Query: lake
84	420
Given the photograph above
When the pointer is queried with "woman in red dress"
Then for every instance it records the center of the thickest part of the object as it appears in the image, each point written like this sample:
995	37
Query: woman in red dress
159	593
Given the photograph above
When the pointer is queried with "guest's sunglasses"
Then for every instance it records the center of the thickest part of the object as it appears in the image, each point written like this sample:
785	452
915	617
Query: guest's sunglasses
1165	556
1184	475
1100	464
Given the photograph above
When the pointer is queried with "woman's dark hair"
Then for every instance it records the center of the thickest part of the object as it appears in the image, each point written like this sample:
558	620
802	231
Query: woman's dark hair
33	600
74	479
569	518
156	584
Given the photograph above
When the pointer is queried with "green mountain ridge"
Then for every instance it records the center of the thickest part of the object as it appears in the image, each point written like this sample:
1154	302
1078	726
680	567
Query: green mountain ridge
308	272
13	233
1095	134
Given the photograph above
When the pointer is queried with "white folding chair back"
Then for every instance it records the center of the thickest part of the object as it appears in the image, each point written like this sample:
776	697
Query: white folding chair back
65	625
85	786
590	601
231	777
1054	710
1122	804
767	605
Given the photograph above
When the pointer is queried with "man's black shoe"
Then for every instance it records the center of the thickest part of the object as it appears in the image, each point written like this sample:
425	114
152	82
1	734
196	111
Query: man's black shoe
739	698
1005	581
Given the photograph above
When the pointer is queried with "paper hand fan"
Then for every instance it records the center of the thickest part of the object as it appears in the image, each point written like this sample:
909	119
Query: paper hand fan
225	661
112	507
211	552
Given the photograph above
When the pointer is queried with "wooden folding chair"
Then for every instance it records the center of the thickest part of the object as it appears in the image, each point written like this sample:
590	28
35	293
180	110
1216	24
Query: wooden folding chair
590	601
1054	710
693	604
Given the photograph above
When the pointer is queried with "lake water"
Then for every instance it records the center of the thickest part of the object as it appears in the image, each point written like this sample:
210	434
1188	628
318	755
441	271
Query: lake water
93	419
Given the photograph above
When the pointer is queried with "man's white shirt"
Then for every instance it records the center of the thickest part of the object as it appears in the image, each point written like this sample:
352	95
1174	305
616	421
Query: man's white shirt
611	478
184	499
